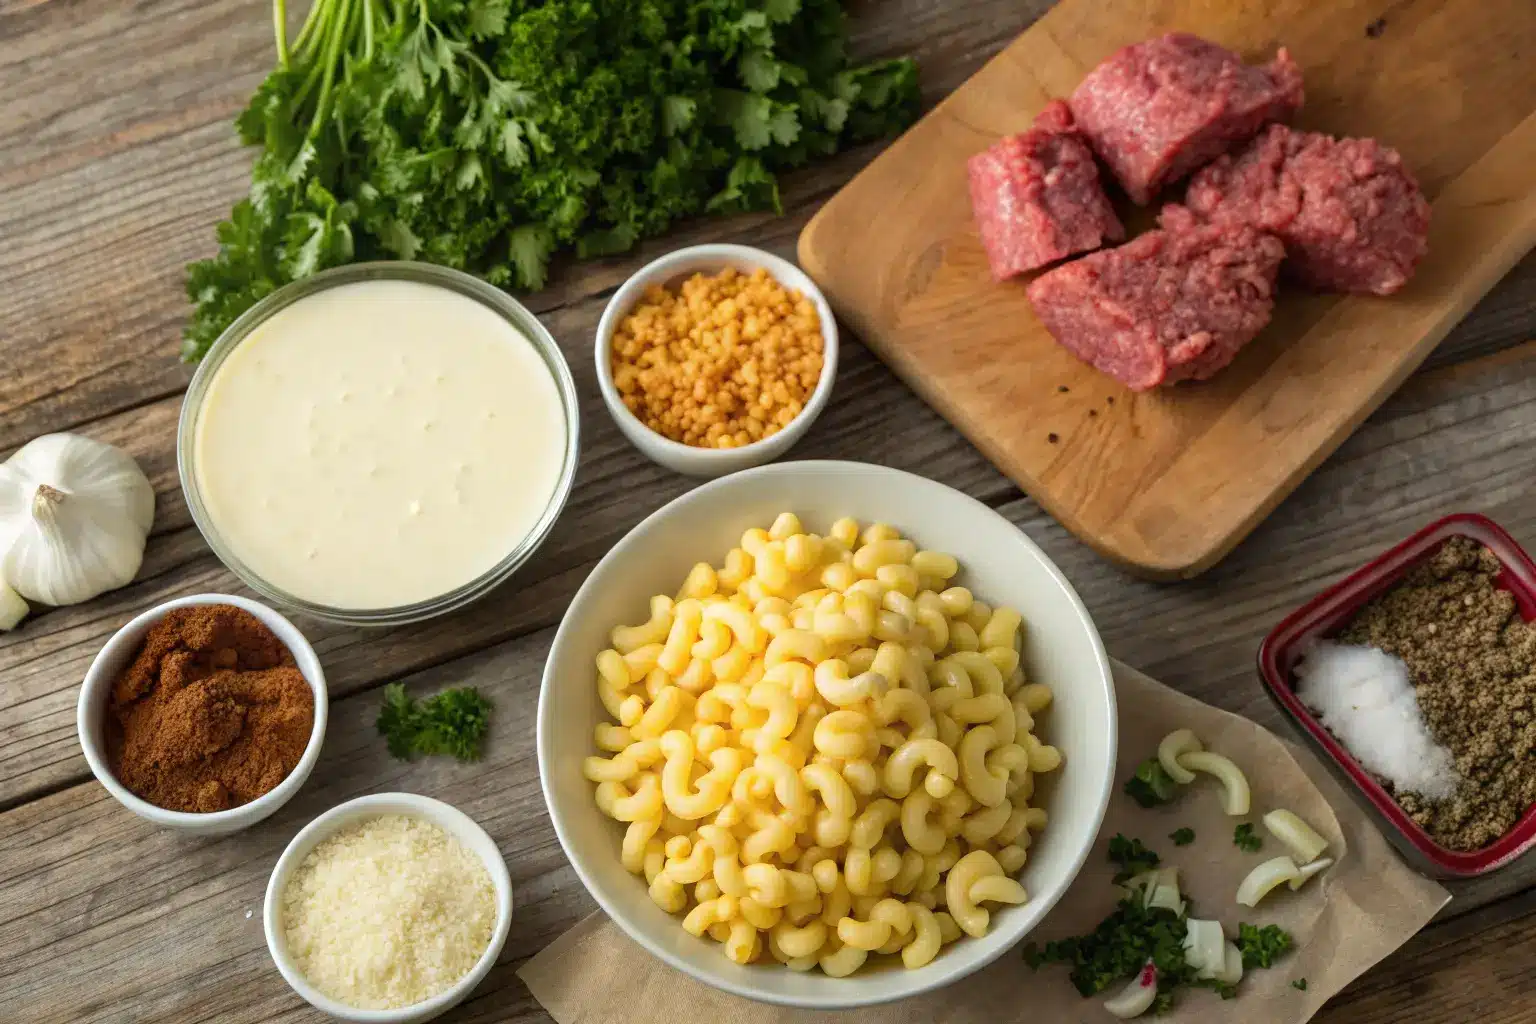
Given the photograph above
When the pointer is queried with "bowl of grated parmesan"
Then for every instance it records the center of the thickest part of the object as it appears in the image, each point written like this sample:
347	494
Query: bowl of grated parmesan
388	909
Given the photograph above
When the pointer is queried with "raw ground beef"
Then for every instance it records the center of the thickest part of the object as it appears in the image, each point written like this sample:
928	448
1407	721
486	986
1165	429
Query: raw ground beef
1159	109
1350	214
1037	198
1170	304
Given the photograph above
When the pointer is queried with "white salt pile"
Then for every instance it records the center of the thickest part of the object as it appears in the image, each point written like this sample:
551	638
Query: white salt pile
1365	698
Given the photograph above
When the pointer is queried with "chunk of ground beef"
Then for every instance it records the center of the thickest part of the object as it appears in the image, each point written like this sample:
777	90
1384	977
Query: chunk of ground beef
1161	108
1037	197
1351	215
1172	304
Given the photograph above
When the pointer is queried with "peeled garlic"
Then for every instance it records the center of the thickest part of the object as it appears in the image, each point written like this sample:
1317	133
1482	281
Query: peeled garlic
1204	947
1265	877
1299	837
1138	995
74	516
1306	871
1235	794
1173	746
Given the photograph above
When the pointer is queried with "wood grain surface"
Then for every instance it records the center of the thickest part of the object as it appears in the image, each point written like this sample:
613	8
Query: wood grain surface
1166	483
116	159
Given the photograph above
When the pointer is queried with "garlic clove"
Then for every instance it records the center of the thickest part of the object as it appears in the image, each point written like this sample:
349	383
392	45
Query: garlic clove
12	608
74	516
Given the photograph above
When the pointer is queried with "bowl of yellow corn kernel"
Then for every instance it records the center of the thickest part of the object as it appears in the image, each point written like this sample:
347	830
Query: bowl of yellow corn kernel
826	734
716	358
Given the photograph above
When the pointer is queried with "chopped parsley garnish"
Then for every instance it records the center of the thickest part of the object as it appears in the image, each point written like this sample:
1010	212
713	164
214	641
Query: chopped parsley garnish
1133	935
1151	785
1131	857
1261	947
1182	836
1244	838
452	722
1300	984
1118	947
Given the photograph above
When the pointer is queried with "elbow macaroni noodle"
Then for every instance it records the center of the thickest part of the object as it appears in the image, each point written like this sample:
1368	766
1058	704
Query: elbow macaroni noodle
823	750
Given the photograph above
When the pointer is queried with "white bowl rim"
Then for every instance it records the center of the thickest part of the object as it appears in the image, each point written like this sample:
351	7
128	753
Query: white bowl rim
308	663
328	822
777	266
545	755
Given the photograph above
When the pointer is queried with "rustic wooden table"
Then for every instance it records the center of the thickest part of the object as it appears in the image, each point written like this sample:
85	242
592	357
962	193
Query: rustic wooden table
116	159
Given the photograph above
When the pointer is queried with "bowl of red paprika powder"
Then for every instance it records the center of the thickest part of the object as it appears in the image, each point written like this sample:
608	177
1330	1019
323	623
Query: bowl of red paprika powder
204	714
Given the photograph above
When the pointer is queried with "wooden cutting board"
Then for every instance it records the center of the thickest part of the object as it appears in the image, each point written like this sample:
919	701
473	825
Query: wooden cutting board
1167	483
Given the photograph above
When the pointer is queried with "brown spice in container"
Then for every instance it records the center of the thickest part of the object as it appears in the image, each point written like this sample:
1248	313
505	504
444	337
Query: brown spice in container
211	714
1473	665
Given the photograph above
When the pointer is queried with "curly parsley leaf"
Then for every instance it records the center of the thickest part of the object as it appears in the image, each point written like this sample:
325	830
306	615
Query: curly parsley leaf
1245	839
1151	785
1118	947
453	722
1182	836
1131	857
1300	984
1261	947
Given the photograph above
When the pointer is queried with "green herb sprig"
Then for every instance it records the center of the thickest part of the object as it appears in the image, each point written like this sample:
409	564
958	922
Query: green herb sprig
453	722
1245	839
1182	836
1151	785
1132	858
1261	947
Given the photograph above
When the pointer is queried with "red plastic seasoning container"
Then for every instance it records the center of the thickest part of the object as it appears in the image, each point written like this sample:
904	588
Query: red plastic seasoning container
1326	613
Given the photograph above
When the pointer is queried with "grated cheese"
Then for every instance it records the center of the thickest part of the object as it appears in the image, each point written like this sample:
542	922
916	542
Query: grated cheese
388	912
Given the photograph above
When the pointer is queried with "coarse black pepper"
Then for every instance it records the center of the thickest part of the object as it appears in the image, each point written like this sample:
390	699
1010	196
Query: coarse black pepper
1472	660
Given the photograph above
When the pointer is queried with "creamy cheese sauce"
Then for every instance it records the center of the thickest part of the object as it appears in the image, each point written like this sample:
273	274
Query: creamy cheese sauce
379	443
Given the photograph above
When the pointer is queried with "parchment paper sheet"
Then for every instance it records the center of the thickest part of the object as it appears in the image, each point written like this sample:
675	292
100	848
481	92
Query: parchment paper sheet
1344	921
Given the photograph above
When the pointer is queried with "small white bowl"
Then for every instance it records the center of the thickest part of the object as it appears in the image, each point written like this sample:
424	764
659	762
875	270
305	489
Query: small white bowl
998	562
451	820
91	718
669	271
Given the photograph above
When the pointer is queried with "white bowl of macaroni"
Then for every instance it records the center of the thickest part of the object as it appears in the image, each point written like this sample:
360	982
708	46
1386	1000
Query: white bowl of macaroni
826	734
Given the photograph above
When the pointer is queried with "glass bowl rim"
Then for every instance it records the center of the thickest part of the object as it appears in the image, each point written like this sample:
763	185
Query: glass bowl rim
498	301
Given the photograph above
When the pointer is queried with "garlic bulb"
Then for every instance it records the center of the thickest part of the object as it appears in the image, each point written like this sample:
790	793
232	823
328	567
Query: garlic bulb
74	516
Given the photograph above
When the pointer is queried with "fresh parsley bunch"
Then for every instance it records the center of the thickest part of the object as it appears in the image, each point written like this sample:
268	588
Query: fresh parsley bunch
487	135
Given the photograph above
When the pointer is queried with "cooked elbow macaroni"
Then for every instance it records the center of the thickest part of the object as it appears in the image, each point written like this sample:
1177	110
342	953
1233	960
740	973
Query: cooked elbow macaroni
824	749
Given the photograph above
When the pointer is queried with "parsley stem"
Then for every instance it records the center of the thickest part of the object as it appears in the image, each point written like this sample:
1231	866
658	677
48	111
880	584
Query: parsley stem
340	28
317	11
280	28
367	31
304	49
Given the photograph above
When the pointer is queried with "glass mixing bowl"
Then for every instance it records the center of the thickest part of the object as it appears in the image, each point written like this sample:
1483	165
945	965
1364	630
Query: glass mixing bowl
488	295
